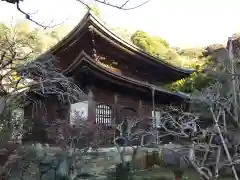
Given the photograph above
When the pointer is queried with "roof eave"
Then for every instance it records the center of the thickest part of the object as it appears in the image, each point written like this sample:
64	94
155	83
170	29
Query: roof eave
91	19
84	57
100	26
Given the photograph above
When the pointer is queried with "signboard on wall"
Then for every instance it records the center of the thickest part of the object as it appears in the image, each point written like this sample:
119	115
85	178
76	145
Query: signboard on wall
79	111
157	117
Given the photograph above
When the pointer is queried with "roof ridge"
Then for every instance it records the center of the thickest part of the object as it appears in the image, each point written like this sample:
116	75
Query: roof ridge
95	18
89	17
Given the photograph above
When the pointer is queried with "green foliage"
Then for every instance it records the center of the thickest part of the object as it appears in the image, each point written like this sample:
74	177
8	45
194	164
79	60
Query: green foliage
28	40
207	68
163	41
196	81
191	52
150	44
18	46
156	46
4	30
193	58
24	39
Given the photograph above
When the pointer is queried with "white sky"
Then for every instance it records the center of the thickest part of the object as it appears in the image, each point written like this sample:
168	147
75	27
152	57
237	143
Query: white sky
180	22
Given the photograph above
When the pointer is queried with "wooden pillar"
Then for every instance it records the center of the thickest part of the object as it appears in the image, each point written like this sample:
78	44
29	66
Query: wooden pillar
116	115
148	112
140	113
62	111
115	110
91	107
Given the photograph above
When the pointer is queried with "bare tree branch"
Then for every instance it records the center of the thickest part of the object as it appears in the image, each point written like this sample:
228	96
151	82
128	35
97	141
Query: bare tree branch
28	16
122	6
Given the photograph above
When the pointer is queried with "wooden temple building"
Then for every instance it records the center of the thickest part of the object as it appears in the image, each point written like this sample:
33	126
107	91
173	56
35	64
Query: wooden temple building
120	79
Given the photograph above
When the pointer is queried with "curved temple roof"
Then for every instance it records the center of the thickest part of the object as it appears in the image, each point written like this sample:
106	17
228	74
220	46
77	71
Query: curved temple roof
95	24
82	56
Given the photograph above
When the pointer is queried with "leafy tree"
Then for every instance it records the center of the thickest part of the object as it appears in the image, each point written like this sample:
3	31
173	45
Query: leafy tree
147	43
196	81
156	46
191	52
171	55
3	30
200	78
208	62
163	41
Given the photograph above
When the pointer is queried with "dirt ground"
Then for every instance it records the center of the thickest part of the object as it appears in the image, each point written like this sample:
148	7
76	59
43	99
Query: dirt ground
156	173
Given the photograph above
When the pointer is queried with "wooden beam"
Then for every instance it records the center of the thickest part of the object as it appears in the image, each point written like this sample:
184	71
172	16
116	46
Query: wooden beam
115	110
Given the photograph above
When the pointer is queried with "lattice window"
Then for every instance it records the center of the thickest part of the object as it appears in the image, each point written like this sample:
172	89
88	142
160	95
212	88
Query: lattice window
104	114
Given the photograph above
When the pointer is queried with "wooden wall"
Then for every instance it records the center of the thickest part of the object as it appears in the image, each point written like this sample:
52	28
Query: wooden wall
104	107
122	105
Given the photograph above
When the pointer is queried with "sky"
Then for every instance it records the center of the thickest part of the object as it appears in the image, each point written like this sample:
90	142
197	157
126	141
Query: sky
183	23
